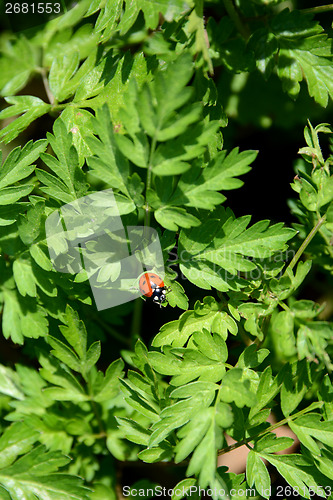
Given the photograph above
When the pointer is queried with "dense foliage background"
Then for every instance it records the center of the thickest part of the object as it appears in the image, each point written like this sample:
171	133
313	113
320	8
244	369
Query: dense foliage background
169	103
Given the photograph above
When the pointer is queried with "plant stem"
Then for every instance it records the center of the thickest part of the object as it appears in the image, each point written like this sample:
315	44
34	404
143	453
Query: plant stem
64	7
234	15
95	408
305	243
270	429
318	9
137	312
111	330
136	321
49	94
149	177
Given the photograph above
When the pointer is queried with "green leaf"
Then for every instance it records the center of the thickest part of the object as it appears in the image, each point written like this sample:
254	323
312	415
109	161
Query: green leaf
35	474
203	461
151	13
282	327
29	107
9	195
102	492
271	444
107	163
136	151
18	164
310	427
22	317
79	358
226	242
251	357
199	187
75	332
62	32
54	187
18	60
236	388
108	16
172	166
134	432
257	474
65	387
191	144
198	395
62	69
78	123
64	353
40	255
109	388
93	355
17	439
30	226
172	217
325	394
53	430
34	401
196	25
213	346
293	468
303	54
324	461
68	183
193	364
24	278
194	432
182	489
308	195
176	295
9	383
109	80
9	213
140	402
206	315
266	391
294	387
265	47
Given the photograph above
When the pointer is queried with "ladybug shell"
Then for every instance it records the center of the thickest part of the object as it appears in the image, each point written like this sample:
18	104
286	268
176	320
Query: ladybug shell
149	282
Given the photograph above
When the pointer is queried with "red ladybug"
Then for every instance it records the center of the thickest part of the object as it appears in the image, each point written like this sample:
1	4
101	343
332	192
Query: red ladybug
151	285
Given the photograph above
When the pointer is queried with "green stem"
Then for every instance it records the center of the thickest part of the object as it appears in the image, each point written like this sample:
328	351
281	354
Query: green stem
318	9
95	408
48	91
284	306
305	243
111	330
269	429
136	321
137	313
64	7
234	15
149	178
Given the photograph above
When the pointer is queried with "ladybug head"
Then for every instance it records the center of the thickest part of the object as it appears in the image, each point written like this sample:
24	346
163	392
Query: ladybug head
158	295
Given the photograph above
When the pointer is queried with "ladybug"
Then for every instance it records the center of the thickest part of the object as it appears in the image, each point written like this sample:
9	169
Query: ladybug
151	285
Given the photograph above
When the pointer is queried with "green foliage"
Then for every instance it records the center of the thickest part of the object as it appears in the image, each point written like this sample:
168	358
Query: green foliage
35	472
133	92
302	50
